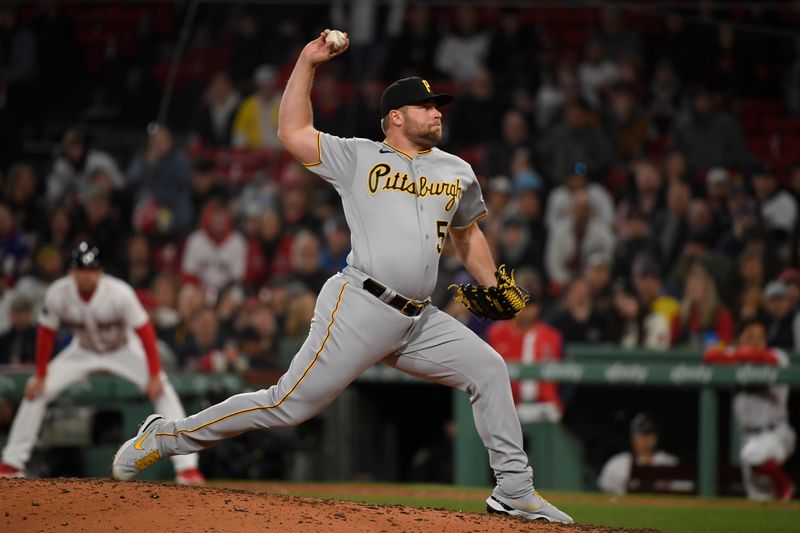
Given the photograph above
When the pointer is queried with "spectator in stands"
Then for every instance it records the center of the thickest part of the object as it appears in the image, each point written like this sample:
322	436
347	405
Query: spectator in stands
332	113
709	136
256	121
620	40
783	321
299	314
751	276
671	227
204	349
578	321
515	135
98	222
718	192
497	195
22	193
726	61
307	261
247	50
477	118
676	44
644	451
206	186
159	179
515	246
634	239
596	73
295	209
411	52
559	86
561	199
778	208
256	351
215	253
58	231
367	107
664	99
631	325
137	268
625	123
271	249
513	49
462	52
791	277
527	206
214	120
647	195
793	182
18	343
704	319
74	165
48	266
573	241
529	340
577	137
598	275
762	415
190	299
675	166
165	317
742	214
650	291
698	248
15	257
337	245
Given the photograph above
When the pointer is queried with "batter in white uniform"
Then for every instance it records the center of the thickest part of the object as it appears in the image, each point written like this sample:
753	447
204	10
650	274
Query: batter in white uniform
402	198
762	415
103	312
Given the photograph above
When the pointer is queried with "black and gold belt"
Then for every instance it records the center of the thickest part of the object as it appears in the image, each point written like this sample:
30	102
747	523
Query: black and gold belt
404	305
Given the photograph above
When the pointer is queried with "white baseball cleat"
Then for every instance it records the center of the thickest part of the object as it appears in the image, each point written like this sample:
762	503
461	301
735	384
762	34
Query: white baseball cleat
139	452
533	507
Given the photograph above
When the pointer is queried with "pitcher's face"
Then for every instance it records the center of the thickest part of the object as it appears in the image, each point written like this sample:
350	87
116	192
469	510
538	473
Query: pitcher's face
422	124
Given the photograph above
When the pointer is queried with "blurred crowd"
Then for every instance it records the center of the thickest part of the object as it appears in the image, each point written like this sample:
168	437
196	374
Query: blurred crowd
622	182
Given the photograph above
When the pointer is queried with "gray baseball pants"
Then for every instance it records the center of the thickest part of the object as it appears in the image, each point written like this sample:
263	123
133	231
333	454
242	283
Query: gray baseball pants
351	331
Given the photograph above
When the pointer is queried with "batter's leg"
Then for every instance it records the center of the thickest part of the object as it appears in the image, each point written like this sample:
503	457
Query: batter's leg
130	363
442	349
69	367
350	331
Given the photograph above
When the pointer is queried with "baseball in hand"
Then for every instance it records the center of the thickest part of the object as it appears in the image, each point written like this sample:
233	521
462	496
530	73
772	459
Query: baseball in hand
337	38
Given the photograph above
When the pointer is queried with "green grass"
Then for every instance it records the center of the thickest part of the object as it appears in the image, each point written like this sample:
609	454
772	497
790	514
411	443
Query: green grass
670	514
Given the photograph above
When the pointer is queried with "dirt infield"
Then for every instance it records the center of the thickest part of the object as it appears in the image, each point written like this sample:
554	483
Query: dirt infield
34	505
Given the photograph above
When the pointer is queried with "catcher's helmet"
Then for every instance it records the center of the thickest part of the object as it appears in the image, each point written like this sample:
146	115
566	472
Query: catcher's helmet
85	255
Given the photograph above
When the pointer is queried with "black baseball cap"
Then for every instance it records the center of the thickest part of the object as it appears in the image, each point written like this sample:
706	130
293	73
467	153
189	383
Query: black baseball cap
643	423
85	256
410	91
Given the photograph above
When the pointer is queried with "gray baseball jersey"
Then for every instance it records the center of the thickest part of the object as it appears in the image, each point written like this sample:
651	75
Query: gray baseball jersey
399	209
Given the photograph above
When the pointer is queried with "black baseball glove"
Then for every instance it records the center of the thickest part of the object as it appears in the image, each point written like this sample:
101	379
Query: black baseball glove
498	302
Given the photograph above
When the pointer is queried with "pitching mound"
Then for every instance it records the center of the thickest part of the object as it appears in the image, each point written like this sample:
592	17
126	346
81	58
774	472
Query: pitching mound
103	505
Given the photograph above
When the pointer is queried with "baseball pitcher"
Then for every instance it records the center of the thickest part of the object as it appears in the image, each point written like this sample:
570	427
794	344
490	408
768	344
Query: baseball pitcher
103	312
402	198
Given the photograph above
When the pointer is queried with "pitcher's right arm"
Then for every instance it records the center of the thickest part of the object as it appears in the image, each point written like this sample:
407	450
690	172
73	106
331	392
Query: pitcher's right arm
295	120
